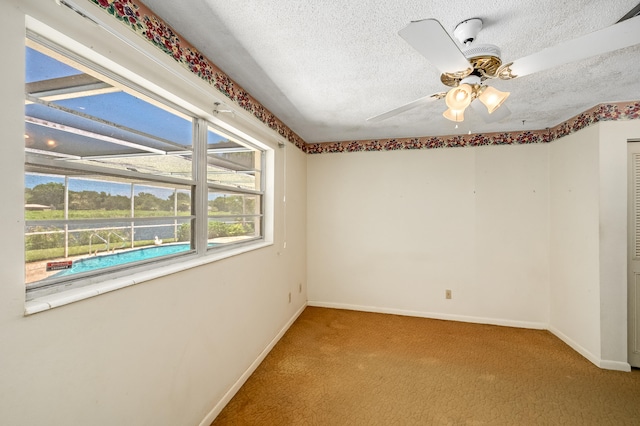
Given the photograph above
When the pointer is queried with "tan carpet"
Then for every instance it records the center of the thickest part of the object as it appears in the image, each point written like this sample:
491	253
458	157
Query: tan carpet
336	367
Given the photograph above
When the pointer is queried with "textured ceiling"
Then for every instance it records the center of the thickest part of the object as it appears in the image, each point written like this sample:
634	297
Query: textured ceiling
324	66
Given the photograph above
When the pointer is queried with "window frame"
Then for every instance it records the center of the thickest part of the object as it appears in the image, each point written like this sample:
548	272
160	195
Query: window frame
200	253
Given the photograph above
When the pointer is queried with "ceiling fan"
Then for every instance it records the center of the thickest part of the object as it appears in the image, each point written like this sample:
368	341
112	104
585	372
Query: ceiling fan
467	71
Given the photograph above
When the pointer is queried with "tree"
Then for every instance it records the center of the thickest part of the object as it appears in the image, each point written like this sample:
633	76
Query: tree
184	232
117	202
84	200
28	196
184	202
47	194
146	201
220	229
233	204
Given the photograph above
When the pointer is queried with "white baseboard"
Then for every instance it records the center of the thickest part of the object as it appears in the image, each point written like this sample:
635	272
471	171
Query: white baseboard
575	346
615	365
432	315
596	360
211	416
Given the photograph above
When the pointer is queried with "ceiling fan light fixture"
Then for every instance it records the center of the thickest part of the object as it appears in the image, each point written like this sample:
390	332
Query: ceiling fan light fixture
492	98
454	115
458	98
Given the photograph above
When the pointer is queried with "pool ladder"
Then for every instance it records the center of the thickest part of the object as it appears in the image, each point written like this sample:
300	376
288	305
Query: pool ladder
106	241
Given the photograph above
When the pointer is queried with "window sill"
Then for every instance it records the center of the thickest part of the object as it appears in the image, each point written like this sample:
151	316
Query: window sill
45	303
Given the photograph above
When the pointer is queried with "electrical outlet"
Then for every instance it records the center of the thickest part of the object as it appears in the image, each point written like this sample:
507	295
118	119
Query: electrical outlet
447	294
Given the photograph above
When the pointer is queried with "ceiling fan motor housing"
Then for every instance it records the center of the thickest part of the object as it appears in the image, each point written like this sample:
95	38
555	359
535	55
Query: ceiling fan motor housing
489	50
467	30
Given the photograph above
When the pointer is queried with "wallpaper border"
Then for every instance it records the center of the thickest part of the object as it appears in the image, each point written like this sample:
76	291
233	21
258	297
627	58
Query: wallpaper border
603	112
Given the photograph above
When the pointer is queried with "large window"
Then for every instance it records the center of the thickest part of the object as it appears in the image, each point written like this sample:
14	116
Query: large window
118	178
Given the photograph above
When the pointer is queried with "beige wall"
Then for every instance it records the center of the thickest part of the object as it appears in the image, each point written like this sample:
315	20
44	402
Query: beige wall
163	352
392	231
574	211
588	250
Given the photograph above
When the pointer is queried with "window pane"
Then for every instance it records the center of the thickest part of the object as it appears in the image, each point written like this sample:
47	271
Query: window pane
231	230
233	217
42	67
43	196
156	200
232	163
233	204
75	114
98	220
97	197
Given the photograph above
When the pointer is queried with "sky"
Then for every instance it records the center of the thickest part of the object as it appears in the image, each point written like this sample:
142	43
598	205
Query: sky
42	67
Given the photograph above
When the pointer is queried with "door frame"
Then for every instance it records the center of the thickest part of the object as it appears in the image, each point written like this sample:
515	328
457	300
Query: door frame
633	262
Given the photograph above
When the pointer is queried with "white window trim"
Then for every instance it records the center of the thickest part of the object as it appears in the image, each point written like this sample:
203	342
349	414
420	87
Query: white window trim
240	123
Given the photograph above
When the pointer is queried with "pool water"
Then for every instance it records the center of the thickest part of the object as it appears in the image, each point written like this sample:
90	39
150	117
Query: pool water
115	259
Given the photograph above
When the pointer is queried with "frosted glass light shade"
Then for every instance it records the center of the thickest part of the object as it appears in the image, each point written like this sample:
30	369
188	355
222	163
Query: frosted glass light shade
492	98
454	115
459	97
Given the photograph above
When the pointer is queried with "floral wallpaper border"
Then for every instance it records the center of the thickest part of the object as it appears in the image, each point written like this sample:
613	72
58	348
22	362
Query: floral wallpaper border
602	112
141	20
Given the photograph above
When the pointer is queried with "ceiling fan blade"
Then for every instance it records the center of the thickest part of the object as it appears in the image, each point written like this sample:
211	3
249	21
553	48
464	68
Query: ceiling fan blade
497	115
617	36
432	41
411	105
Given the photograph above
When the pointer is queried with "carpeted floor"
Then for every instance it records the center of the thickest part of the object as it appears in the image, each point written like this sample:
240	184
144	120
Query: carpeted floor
337	367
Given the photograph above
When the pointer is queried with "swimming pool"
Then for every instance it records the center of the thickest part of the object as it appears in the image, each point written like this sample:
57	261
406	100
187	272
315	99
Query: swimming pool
107	260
